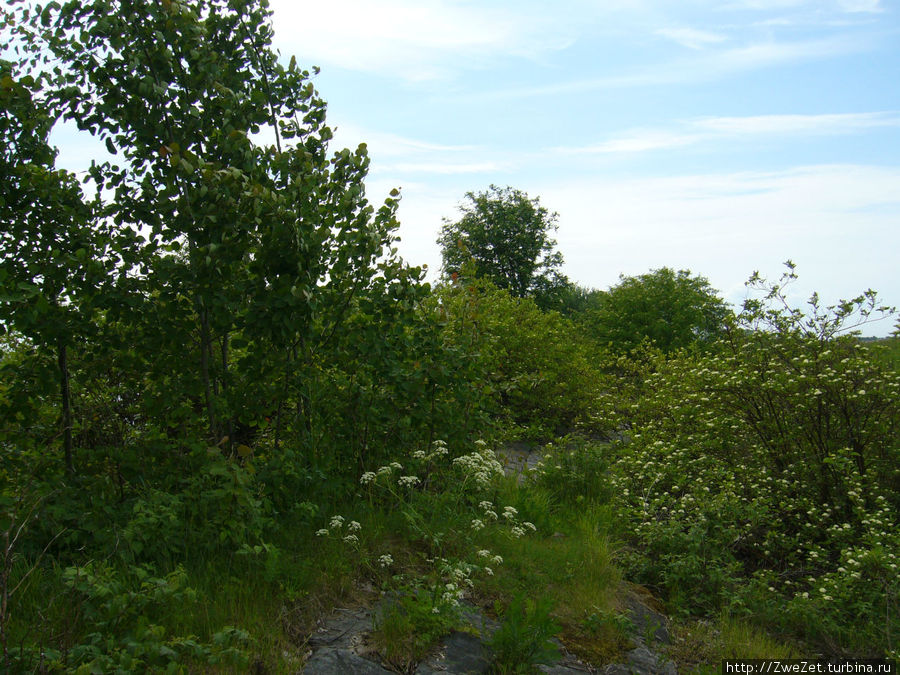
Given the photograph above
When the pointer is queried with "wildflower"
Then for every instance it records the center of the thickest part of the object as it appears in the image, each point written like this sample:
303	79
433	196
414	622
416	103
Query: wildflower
322	533
485	506
497	560
351	539
353	526
477	524
530	526
407	481
489	571
509	512
336	522
385	560
367	477
483	553
517	531
396	465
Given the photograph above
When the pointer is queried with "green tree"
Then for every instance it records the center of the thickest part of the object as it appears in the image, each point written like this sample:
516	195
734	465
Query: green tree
248	255
52	255
673	309
507	237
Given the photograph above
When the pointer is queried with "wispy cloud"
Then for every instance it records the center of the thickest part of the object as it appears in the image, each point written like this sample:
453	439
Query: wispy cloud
443	168
854	6
388	145
413	40
715	66
724	226
841	123
691	37
639	140
704	129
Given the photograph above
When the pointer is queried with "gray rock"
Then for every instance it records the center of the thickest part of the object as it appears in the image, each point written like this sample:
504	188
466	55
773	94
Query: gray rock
647	622
341	627
460	654
334	661
642	661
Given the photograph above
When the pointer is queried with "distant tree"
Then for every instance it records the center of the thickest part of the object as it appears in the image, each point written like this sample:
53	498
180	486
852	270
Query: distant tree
506	237
673	309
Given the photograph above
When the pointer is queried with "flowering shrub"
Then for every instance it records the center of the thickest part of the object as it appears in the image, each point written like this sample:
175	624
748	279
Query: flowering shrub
755	475
427	488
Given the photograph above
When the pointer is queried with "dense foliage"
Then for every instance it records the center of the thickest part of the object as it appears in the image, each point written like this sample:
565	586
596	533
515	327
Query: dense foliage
538	376
671	309
763	478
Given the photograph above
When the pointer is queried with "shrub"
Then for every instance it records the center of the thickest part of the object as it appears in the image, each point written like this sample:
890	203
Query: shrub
774	461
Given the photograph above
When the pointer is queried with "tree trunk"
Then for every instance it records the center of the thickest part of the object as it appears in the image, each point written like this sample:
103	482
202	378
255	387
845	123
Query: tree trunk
62	360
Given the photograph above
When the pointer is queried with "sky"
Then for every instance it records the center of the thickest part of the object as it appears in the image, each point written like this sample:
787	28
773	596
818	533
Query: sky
718	137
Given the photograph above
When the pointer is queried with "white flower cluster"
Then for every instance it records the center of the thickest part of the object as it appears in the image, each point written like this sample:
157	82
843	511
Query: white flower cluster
336	527
438	449
408	481
481	466
510	514
455	579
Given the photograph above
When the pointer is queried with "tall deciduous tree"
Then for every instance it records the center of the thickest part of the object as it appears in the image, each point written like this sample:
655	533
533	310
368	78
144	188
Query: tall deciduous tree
507	238
52	258
243	242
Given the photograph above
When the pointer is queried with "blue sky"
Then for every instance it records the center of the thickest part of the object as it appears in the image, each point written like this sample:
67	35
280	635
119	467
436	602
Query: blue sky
720	137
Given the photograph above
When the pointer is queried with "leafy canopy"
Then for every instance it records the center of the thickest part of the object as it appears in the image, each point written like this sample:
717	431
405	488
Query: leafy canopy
506	237
673	309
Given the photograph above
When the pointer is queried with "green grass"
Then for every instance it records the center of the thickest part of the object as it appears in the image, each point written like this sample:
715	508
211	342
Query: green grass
277	594
699	646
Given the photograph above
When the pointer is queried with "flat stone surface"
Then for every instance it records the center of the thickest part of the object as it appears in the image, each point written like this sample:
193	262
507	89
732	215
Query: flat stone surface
335	661
340	628
647	622
338	647
642	661
459	653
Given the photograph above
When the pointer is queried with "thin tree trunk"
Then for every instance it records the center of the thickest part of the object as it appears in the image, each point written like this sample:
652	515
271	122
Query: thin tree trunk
205	348
62	359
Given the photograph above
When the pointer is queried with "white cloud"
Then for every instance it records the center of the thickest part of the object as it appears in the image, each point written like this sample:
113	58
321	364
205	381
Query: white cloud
391	146
411	39
855	6
704	129
691	37
445	168
838	222
799	124
713	66
641	140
